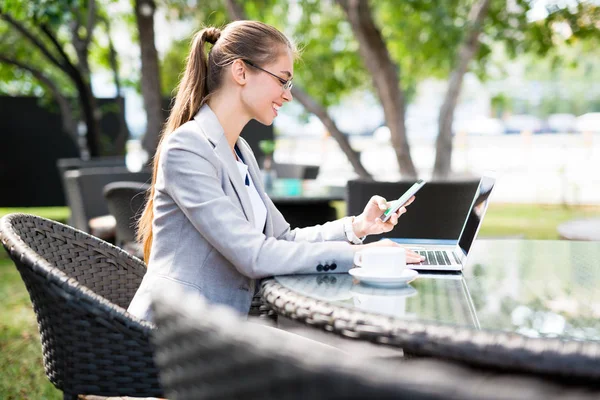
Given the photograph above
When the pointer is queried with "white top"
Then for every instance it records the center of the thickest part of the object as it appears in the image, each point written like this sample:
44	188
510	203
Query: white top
258	207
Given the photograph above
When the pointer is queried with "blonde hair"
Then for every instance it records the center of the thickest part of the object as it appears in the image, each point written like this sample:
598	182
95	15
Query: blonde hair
254	41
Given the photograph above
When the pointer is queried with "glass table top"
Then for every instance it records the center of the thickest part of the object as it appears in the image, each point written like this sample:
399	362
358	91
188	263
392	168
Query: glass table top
534	288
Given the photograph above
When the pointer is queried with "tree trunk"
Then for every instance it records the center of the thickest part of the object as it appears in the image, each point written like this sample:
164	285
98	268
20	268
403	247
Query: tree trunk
467	50
144	12
386	78
123	135
236	12
88	103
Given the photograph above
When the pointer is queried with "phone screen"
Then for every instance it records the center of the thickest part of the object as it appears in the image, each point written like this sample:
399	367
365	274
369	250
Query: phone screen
396	204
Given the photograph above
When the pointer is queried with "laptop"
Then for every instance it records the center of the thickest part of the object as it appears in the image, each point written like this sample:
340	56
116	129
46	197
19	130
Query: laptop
454	257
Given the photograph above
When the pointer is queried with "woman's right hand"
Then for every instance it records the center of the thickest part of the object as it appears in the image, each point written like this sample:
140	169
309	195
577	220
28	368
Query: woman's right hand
411	256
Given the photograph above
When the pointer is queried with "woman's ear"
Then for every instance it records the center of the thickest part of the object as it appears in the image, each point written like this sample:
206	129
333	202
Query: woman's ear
238	71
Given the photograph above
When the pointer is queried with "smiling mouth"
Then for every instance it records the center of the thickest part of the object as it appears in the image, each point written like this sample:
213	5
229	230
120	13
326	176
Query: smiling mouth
276	108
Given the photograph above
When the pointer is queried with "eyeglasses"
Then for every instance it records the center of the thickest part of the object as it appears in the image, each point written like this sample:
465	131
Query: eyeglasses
287	84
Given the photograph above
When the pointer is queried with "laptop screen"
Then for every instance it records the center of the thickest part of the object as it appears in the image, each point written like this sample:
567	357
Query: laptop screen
476	213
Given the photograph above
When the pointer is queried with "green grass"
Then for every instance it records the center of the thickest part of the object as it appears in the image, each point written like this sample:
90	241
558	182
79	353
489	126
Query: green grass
531	221
21	369
60	214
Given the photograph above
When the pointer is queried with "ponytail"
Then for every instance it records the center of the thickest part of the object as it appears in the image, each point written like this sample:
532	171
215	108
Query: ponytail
193	91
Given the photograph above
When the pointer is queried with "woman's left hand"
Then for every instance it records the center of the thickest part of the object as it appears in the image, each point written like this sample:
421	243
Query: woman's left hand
370	223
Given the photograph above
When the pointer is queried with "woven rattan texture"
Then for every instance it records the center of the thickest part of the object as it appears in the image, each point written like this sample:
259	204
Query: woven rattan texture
207	351
562	360
80	287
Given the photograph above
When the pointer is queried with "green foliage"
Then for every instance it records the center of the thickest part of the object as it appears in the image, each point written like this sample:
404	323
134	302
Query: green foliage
412	30
43	11
564	25
267	146
330	67
173	65
422	37
56	15
16	81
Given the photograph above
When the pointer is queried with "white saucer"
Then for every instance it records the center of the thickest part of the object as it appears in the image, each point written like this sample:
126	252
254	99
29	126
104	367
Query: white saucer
375	277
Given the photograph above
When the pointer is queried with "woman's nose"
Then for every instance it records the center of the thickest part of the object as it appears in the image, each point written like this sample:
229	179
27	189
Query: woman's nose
287	95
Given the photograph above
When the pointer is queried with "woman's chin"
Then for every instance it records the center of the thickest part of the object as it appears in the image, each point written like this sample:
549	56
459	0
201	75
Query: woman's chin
265	121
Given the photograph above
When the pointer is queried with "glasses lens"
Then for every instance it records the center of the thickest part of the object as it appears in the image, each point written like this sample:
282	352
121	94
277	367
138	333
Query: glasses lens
288	85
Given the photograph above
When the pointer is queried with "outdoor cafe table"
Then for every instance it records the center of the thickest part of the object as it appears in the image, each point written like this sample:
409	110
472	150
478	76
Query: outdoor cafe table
523	305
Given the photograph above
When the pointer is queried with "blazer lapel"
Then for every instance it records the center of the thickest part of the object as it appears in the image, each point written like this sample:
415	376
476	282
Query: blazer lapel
211	127
256	176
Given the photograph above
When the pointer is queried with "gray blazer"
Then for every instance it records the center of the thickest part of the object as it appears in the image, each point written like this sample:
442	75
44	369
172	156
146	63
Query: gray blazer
204	234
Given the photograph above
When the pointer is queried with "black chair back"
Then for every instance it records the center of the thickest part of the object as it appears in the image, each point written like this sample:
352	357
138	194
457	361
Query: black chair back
126	201
439	211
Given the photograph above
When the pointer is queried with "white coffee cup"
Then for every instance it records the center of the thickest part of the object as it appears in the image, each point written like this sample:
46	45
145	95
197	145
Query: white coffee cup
381	258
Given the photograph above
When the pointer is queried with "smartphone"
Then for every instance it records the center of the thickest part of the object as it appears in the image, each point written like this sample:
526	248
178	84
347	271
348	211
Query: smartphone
396	204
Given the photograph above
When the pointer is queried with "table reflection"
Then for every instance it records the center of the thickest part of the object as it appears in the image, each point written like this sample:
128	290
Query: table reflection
441	298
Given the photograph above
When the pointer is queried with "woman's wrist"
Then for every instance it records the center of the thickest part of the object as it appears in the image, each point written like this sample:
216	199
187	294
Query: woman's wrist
358	226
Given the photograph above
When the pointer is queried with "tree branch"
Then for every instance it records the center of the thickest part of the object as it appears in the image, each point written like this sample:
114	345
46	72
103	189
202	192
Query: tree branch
313	107
467	50
68	66
25	32
68	122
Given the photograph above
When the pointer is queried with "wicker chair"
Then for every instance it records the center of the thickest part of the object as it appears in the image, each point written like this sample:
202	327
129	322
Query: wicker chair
80	287
208	352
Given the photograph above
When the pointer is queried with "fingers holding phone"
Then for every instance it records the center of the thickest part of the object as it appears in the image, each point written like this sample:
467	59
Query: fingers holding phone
402	202
381	216
395	216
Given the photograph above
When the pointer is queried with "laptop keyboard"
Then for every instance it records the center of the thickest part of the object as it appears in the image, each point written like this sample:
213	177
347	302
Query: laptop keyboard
436	257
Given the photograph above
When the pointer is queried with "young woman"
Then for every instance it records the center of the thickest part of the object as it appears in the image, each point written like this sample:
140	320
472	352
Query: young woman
208	225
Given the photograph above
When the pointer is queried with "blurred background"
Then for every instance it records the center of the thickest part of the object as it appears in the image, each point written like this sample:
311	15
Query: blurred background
385	90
